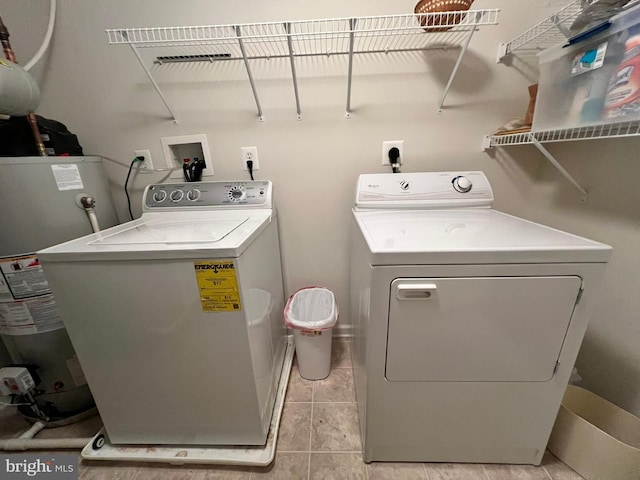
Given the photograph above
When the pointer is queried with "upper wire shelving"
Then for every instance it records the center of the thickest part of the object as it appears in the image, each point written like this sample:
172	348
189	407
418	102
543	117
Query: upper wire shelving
549	32
307	38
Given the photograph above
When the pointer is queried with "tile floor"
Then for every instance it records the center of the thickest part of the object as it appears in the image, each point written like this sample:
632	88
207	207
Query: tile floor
318	439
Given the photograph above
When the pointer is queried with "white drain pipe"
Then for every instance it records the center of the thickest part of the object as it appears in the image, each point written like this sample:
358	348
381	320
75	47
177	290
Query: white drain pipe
27	442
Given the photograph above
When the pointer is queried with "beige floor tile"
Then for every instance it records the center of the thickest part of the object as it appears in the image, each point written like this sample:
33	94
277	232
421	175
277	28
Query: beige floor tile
515	472
337	387
299	389
57	432
86	428
558	470
295	427
164	472
220	472
108	470
335	427
395	471
286	466
12	423
455	471
337	466
340	354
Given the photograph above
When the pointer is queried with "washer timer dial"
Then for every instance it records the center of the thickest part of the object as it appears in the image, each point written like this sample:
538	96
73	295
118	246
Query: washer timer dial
462	184
236	193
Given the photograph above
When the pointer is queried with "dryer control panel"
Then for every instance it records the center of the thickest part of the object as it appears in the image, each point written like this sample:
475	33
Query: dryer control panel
424	190
207	195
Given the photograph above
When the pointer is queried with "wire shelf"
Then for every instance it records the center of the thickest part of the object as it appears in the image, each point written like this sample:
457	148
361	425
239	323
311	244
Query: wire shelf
393	33
614	130
307	38
549	32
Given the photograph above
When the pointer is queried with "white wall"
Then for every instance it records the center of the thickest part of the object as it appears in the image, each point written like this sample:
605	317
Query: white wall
103	96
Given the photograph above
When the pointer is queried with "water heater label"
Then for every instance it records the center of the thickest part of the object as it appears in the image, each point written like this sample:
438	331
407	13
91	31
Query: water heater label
218	286
5	293
67	176
27	317
24	277
15	319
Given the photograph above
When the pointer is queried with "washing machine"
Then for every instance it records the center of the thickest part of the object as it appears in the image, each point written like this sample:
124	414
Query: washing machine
467	320
176	317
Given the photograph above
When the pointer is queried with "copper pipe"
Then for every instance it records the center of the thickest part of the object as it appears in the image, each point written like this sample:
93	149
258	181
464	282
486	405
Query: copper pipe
31	117
6	45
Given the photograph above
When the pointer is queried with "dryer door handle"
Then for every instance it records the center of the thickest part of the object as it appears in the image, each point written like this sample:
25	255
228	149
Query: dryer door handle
417	291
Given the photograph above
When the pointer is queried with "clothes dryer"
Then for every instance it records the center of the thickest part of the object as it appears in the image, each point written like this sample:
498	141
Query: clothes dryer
467	320
176	317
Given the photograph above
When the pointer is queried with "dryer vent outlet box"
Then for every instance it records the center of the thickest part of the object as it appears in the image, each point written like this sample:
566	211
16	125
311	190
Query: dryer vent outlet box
177	149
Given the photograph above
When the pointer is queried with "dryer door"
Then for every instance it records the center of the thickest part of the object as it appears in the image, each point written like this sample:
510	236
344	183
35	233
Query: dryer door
488	329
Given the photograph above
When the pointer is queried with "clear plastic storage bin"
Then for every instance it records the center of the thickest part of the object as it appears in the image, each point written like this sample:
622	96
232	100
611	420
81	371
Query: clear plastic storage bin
595	81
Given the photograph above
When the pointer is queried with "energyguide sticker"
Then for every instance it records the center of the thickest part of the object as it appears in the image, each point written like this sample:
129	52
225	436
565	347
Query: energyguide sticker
218	286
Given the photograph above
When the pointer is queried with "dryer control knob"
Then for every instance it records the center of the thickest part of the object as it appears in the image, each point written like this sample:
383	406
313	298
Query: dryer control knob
462	184
193	194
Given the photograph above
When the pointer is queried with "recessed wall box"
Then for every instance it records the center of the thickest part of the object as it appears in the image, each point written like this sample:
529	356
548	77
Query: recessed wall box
176	149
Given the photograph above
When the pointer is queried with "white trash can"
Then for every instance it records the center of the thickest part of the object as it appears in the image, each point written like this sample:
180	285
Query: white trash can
311	313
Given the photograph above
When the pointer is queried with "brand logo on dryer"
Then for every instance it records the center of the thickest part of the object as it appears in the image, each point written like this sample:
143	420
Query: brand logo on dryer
405	185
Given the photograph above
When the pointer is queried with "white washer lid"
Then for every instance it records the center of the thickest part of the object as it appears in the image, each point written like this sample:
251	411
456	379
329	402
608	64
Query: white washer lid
469	236
167	231
168	235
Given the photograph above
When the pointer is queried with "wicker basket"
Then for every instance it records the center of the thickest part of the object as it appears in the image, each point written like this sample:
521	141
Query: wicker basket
441	6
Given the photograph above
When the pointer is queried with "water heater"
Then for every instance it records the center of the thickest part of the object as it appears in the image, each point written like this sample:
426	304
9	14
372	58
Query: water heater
41	199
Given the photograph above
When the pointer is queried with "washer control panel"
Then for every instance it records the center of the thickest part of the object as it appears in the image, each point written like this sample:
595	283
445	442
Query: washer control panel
198	195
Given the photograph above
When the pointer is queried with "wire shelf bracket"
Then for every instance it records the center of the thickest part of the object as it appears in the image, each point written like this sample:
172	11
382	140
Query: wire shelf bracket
529	138
464	49
248	68
306	38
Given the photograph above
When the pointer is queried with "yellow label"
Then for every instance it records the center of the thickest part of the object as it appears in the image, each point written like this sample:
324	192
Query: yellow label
218	286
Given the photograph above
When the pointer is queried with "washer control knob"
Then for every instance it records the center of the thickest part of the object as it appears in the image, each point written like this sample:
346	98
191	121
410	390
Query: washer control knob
160	196
236	193
176	196
462	184
193	194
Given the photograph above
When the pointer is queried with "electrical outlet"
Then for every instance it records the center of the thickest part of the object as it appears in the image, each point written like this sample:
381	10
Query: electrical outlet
250	153
148	163
388	145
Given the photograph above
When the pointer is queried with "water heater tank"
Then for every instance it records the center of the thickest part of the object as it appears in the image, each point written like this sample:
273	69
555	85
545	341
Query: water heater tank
40	208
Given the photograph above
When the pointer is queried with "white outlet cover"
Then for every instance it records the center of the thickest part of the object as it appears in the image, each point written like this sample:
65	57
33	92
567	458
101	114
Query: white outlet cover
249	153
388	145
148	162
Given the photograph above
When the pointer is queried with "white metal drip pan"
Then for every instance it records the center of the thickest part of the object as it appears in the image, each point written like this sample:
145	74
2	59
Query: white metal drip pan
260	456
